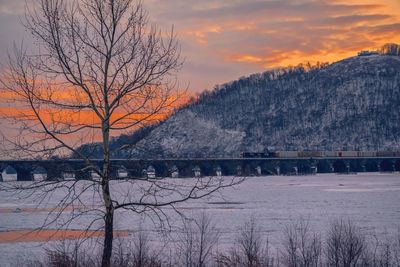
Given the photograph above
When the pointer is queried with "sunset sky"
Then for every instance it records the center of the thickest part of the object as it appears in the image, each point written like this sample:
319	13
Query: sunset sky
225	39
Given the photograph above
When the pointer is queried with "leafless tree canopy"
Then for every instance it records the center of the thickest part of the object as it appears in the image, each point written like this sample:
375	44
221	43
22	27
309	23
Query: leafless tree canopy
100	65
99	68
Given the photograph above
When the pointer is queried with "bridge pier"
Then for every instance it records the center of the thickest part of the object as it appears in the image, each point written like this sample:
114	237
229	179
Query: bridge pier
278	170
122	172
314	169
258	171
197	171
347	163
174	172
218	171
151	172
313	166
331	167
239	170
363	166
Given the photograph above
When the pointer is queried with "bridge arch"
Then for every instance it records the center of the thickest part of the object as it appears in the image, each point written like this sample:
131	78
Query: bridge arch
372	165
288	167
340	166
324	166
387	165
397	165
307	166
247	170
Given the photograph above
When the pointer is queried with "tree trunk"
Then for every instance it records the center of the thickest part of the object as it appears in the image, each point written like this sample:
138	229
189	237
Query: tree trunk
108	204
108	238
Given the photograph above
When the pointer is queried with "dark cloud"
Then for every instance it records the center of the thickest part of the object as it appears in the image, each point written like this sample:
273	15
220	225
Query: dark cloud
187	9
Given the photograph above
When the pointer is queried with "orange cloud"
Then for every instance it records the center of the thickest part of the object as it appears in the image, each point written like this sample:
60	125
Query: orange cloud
200	35
227	39
244	58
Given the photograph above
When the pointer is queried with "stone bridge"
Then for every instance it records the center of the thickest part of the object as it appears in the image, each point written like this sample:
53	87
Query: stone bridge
29	170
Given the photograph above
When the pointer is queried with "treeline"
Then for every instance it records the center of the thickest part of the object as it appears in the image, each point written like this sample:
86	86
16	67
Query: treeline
390	49
258	79
197	245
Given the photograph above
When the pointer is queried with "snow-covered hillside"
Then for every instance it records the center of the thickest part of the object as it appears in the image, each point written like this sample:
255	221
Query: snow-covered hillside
351	105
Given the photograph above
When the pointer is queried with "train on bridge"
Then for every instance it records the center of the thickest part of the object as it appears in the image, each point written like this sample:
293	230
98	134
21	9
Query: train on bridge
321	154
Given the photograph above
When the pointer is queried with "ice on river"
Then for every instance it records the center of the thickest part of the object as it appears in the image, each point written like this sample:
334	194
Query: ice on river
372	201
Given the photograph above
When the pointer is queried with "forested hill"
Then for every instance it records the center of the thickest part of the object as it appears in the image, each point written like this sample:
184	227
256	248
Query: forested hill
349	105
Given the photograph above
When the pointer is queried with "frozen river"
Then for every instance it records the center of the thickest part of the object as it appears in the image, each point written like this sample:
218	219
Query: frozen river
372	201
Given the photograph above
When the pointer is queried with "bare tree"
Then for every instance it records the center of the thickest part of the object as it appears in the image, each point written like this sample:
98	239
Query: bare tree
100	68
197	241
301	248
396	246
250	248
345	244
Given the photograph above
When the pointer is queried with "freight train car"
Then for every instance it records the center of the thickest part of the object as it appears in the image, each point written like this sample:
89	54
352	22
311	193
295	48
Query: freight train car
388	153
311	154
369	154
287	154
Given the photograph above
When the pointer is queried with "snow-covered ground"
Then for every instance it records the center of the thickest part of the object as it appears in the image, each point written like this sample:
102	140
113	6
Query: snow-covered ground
372	201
